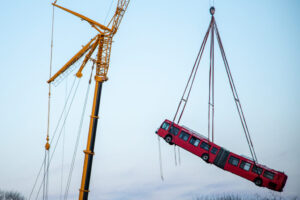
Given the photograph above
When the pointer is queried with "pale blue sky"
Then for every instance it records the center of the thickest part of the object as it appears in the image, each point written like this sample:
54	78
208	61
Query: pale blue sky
152	56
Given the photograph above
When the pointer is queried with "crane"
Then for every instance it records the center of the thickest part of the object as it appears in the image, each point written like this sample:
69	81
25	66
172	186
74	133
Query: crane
102	42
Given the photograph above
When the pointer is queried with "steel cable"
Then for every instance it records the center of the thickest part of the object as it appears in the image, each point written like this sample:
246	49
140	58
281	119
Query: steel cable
77	140
68	111
236	98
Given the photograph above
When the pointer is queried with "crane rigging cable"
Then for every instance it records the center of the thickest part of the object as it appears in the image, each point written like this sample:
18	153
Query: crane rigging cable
213	31
103	40
47	146
78	137
109	9
53	137
65	109
188	88
61	130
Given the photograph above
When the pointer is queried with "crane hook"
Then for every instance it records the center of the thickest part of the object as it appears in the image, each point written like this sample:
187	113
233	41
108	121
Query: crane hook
212	10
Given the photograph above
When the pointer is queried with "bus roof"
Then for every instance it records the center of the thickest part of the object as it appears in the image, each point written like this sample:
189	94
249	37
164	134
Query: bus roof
194	132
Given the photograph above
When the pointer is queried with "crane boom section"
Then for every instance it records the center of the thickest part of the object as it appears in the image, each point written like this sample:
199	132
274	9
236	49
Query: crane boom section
72	60
87	57
102	42
118	16
92	22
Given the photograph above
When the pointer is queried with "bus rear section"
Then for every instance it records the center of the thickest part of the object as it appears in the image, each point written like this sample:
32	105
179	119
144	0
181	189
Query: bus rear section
246	168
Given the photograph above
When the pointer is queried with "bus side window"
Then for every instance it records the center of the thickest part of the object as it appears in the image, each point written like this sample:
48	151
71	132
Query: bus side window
174	130
245	165
205	146
165	126
233	161
184	135
195	141
214	150
257	170
269	175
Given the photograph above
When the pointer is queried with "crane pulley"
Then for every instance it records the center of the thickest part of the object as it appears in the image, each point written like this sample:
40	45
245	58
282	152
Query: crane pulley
103	41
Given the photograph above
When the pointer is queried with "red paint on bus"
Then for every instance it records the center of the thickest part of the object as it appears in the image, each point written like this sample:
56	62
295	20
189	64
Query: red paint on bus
211	153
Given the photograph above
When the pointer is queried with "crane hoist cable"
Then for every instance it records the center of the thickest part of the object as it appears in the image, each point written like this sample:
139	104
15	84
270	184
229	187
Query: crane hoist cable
53	135
213	30
103	40
63	149
47	145
109	9
78	136
67	108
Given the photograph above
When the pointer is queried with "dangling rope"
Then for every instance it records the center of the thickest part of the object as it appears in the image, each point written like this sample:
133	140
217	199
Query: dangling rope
175	158
179	159
160	160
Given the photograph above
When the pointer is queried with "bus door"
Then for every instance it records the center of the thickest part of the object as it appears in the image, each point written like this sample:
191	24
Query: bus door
221	158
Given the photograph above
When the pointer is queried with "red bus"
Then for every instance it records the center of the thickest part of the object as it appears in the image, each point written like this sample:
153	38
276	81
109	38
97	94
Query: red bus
211	153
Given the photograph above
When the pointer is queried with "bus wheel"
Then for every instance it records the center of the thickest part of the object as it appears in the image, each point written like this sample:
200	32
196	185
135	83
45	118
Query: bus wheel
168	139
258	181
205	157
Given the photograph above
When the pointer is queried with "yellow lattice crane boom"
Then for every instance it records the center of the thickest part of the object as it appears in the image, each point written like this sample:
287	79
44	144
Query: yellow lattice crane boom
102	42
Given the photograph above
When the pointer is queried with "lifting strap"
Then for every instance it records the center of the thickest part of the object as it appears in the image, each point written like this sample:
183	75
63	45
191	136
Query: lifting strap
213	30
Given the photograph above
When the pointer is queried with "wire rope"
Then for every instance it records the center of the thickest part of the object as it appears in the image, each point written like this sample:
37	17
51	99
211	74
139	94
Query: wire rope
109	9
78	137
211	102
189	85
47	147
214	30
63	147
55	146
54	134
236	98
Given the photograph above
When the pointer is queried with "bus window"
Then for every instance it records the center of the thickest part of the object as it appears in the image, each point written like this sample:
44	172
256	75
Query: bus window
194	141
234	161
214	150
183	135
245	165
268	174
174	130
205	146
165	126
257	170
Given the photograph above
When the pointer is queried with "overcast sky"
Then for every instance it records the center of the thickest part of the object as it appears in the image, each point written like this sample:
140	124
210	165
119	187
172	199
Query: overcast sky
152	56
